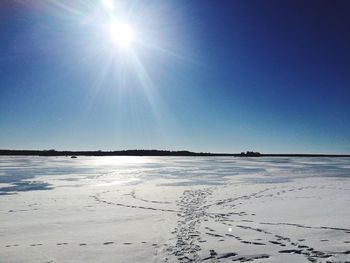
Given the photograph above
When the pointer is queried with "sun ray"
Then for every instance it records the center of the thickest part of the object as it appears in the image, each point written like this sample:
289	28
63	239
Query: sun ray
119	39
66	7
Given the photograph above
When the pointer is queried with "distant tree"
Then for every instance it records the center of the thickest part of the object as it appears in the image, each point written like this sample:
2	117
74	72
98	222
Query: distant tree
250	154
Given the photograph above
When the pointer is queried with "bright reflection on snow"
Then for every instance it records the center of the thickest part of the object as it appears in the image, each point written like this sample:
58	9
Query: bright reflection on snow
119	182
119	160
120	170
29	173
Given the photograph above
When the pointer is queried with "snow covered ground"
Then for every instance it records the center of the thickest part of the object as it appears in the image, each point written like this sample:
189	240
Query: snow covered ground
174	209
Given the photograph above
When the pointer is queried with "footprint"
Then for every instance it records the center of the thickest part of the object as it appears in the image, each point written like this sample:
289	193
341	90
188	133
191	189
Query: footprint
277	243
214	235
291	251
258	244
213	253
34	245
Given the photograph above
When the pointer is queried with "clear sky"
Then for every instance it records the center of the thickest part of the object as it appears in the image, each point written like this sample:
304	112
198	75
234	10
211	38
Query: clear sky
219	76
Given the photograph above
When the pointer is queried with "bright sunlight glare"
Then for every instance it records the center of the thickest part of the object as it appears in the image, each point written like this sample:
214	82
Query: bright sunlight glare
108	4
121	33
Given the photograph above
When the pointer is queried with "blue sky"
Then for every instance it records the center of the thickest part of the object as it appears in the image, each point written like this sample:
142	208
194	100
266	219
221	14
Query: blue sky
219	76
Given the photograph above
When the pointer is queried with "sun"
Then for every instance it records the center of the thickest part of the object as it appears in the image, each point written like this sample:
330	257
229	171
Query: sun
121	33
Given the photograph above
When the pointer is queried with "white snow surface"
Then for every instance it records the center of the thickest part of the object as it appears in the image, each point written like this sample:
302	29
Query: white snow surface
174	209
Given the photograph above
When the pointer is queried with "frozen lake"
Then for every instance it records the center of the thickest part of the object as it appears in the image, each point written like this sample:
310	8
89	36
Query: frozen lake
174	209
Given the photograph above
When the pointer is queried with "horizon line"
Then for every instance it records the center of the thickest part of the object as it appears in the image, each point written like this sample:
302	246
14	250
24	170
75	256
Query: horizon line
156	152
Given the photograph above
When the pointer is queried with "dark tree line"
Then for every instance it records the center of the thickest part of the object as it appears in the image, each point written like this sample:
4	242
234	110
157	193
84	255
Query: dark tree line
53	152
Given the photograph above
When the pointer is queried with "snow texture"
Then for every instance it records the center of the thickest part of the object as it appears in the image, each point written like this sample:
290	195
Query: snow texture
174	209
